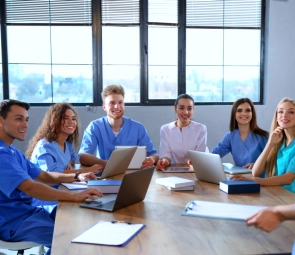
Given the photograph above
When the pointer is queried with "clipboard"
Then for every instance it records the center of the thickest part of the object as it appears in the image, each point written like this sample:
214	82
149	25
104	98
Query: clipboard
218	210
114	233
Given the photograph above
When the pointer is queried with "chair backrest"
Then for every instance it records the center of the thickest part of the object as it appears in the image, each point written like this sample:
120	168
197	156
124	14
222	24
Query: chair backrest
17	246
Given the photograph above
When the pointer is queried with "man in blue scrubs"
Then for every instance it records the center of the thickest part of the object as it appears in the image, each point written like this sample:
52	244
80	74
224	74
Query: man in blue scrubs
270	218
21	180
114	129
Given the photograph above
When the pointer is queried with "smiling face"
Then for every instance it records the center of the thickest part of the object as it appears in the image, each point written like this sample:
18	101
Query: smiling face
286	115
114	106
244	114
15	125
69	122
184	111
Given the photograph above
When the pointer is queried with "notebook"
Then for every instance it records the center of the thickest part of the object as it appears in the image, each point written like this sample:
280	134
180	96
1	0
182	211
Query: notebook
207	166
133	190
138	157
232	169
117	163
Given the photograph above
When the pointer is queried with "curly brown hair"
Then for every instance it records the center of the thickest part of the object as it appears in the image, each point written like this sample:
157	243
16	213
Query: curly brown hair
51	126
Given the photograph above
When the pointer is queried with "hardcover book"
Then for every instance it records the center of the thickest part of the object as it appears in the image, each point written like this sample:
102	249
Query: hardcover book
175	182
236	186
105	186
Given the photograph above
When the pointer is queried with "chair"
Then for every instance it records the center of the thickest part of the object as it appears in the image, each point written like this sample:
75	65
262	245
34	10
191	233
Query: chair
21	246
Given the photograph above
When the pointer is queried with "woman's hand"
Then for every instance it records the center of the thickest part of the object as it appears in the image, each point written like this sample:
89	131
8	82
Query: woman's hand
276	136
249	165
95	168
162	163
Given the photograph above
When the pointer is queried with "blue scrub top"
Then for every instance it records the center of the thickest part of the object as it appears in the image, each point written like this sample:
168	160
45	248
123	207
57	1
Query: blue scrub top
243	152
15	205
100	136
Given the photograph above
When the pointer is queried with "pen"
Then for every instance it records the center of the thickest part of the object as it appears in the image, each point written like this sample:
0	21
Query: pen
117	221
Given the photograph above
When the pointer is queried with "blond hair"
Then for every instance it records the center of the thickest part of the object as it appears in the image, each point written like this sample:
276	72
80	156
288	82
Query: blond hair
112	89
272	156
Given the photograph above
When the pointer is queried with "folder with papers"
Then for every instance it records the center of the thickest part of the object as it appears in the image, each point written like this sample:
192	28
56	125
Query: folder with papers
113	233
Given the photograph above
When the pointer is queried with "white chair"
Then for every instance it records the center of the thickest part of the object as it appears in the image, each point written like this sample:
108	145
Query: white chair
21	246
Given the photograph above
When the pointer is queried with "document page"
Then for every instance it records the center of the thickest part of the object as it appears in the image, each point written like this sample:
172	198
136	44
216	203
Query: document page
108	233
220	210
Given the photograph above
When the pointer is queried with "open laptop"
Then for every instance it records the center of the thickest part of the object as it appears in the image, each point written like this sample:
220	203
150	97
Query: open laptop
207	166
138	157
132	190
117	163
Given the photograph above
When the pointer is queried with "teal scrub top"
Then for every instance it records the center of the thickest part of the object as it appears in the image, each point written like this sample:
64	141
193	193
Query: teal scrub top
286	162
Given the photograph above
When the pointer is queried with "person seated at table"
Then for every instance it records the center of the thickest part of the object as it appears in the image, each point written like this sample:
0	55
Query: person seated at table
105	133
182	135
270	218
51	148
278	156
21	181
245	140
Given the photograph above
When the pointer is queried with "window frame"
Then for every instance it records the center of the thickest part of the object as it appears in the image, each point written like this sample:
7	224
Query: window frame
97	56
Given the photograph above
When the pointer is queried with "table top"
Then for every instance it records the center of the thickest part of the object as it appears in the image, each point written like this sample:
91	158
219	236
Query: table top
167	232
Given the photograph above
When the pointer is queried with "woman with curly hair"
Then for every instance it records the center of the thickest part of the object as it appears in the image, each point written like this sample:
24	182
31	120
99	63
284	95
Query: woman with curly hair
51	148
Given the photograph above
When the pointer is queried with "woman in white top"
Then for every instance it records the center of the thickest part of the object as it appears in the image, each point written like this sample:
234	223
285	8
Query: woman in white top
182	135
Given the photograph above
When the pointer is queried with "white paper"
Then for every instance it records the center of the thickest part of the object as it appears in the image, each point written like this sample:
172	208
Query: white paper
221	210
108	233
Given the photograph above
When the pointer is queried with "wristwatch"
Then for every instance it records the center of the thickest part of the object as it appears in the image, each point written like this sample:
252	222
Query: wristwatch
76	177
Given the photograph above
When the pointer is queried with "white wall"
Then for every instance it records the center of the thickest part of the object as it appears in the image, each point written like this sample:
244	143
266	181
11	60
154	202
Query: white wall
279	83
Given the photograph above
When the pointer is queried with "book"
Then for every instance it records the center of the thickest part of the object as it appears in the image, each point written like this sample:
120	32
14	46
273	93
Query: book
192	187
175	182
236	186
227	211
75	185
105	186
114	233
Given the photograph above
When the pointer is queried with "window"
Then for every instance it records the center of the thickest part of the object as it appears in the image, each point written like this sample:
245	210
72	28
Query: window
223	50
69	50
1	78
49	51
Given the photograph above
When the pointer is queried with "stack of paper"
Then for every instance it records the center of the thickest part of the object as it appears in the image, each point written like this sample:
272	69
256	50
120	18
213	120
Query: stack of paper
176	183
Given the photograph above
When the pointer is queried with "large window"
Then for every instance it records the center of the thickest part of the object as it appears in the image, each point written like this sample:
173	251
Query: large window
69	50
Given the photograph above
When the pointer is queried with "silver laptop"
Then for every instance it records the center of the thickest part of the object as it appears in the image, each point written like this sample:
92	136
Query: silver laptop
207	166
117	163
138	157
132	190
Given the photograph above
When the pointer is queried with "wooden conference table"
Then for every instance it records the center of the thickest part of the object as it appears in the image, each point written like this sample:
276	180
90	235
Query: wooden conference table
167	232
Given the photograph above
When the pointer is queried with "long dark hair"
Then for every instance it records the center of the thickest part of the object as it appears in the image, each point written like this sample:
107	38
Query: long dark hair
253	123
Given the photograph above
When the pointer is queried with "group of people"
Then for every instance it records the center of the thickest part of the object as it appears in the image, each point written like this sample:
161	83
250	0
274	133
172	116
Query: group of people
271	156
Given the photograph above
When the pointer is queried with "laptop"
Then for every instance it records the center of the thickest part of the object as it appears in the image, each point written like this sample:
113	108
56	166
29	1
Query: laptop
138	157
117	163
207	166
132	190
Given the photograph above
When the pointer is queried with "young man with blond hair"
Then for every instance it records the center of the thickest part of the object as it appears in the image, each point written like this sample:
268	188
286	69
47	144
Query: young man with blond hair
105	133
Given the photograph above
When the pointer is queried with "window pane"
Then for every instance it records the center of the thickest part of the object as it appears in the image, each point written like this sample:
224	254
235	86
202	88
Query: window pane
28	44
120	45
72	83
30	83
120	58
241	47
241	82
162	61
126	76
1	79
204	83
71	45
204	47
